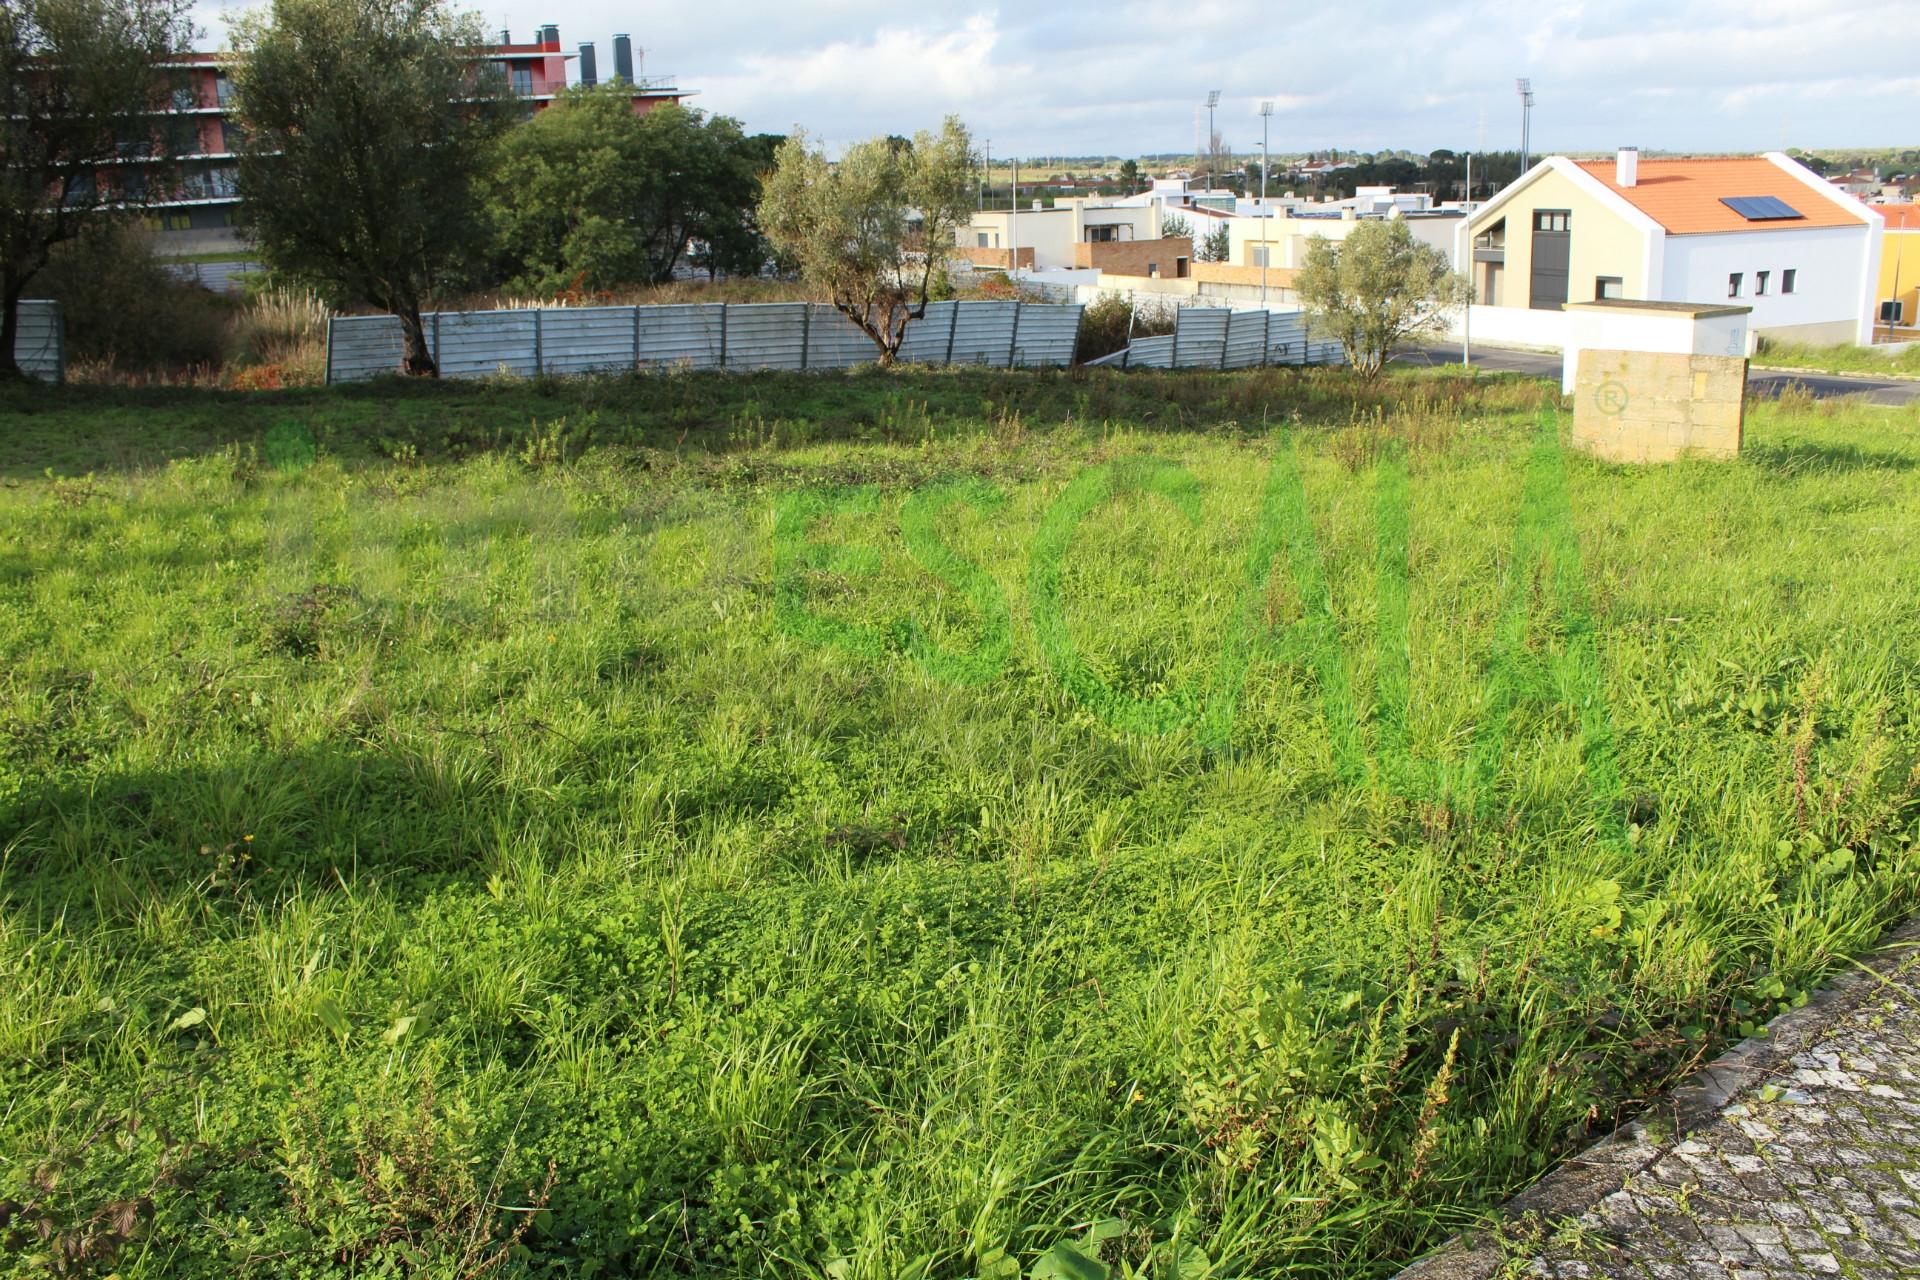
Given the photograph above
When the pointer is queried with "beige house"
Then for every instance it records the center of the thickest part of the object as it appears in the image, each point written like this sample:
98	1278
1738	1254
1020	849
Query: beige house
1060	237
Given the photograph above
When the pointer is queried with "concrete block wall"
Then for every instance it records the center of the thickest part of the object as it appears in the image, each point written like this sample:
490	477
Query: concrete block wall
1656	406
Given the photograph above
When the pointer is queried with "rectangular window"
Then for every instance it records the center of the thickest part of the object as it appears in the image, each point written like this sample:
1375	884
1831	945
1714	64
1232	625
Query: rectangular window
1180	268
1257	255
1102	235
1760	283
1153	271
1733	285
523	82
233	138
1608	287
1894	312
982	237
1787	279
1552	220
222	88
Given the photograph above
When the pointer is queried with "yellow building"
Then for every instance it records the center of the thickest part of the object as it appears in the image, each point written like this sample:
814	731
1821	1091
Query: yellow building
1898	312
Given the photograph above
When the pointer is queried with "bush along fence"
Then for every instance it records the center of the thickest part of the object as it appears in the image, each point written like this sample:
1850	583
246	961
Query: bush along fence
40	343
1220	338
792	336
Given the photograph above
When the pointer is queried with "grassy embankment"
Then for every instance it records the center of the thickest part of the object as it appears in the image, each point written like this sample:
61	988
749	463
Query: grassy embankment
442	824
1840	359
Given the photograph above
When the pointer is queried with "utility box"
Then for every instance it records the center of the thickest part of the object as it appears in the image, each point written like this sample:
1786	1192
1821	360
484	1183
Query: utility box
1653	381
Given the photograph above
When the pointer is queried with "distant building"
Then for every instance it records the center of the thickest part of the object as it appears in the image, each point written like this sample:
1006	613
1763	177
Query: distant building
1762	230
1118	237
1897	301
197	213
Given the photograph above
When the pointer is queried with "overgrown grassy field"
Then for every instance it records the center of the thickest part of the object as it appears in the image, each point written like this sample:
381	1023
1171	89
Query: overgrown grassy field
1840	359
917	825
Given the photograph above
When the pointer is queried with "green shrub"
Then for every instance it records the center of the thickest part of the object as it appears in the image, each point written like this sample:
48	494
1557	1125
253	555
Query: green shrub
124	308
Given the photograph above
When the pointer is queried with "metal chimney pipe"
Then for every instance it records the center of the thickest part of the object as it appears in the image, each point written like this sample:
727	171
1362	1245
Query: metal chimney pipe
623	58
506	36
589	70
550	36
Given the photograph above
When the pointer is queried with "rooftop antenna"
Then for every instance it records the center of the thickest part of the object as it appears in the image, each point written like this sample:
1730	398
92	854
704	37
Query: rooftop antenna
1525	87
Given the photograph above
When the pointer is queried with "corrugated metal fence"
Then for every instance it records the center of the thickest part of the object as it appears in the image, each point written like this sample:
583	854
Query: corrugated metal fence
40	343
1220	338
780	335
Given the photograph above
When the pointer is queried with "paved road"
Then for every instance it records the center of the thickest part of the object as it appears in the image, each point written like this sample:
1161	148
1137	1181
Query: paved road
1763	382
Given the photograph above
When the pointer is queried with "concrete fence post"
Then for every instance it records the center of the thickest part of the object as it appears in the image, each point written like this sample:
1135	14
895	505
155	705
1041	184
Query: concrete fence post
330	320
539	343
953	327
723	335
635	362
436	341
1013	339
806	337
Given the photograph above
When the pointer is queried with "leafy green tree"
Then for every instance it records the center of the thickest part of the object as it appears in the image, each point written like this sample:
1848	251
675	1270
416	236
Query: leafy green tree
1216	245
728	239
1129	174
1377	289
872	230
369	127
1175	225
588	194
79	86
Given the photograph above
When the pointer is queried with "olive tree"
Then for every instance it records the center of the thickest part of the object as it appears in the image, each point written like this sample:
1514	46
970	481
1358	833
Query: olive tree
370	125
1376	289
82	84
871	231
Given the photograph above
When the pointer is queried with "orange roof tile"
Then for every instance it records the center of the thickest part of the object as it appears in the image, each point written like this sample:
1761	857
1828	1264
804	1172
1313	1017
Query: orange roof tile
1900	217
1684	195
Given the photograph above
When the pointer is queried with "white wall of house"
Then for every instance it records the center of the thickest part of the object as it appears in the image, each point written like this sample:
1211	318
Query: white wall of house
1826	305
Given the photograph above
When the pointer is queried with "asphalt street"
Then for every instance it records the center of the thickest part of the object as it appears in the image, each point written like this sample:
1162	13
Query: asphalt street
1763	382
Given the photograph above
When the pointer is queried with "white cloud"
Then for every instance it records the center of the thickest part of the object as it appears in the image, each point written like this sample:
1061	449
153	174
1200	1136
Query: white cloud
1124	76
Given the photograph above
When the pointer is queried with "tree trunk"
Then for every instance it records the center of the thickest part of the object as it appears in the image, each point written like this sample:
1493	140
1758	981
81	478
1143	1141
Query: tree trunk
417	361
9	336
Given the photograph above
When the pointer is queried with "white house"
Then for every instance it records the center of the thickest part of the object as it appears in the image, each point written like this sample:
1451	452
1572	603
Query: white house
1763	231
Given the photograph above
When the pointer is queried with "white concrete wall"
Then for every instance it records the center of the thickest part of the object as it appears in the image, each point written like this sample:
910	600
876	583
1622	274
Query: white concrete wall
1827	290
1516	327
1673	334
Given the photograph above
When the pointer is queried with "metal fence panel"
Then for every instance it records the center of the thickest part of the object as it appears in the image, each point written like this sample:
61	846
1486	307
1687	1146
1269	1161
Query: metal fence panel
40	341
928	338
983	333
688	335
1247	339
474	344
1200	337
362	347
1047	336
836	342
587	339
767	335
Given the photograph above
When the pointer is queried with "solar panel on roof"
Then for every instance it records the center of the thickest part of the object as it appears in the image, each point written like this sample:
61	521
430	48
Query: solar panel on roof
1761	208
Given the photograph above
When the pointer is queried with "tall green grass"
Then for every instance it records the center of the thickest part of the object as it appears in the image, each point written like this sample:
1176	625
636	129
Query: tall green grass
435	858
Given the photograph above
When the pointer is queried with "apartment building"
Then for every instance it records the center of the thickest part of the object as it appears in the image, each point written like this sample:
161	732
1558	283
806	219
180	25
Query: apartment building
196	214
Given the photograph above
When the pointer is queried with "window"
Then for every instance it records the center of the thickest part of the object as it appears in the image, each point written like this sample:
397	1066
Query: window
222	88
1180	268
1760	283
1608	287
1153	271
232	136
1894	312
1102	235
523	81
1552	220
1733	285
1787	280
982	238
1257	255
178	222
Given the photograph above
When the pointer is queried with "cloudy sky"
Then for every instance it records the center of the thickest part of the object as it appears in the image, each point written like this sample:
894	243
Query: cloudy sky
1045	77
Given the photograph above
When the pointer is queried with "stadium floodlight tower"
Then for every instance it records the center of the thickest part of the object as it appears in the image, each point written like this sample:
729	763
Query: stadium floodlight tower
1525	88
1213	152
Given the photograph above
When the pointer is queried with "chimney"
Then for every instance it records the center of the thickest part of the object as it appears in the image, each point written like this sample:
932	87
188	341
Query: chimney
506	36
550	36
623	58
589	70
1626	167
